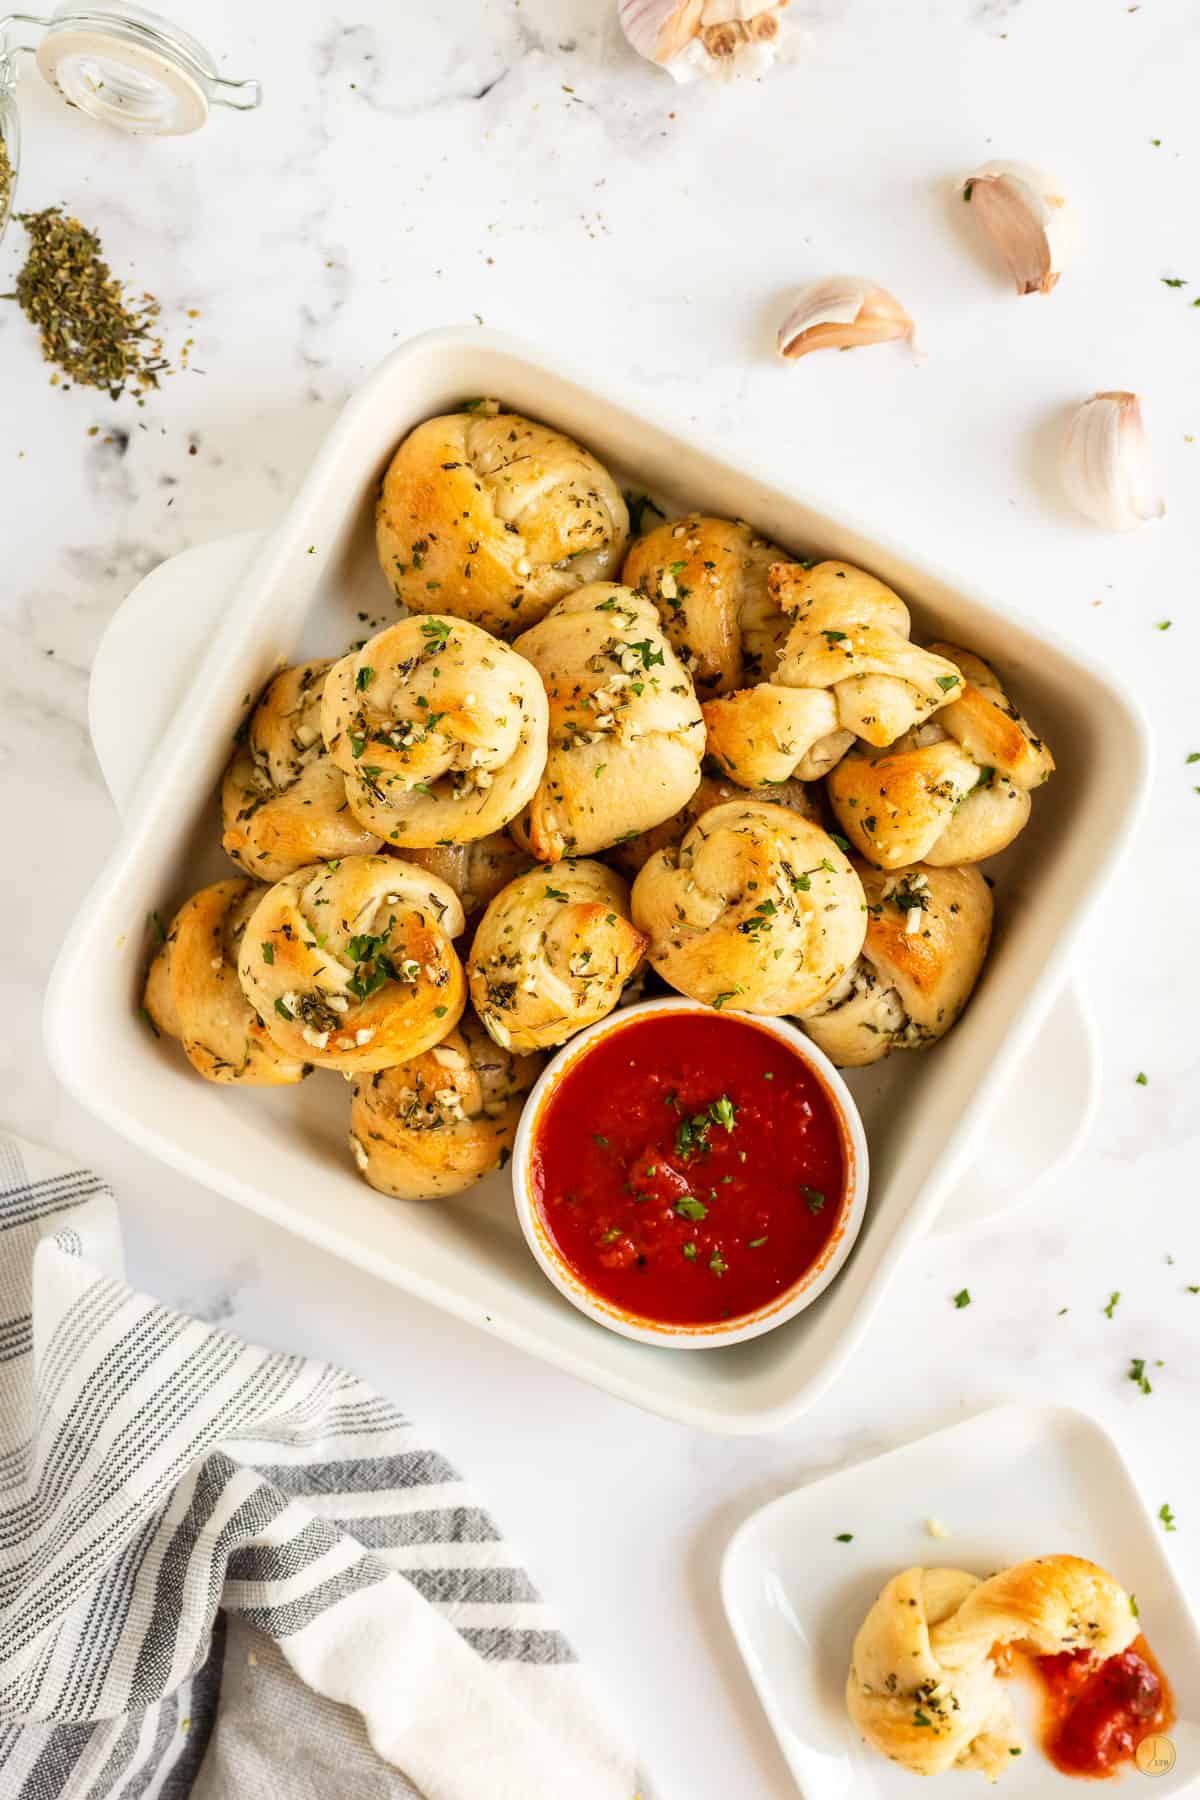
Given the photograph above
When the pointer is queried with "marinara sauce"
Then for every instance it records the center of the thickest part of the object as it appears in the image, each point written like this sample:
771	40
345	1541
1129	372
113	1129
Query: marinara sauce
1097	1713
690	1168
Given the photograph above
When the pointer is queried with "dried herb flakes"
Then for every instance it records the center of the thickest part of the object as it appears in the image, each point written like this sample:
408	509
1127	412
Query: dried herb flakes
90	329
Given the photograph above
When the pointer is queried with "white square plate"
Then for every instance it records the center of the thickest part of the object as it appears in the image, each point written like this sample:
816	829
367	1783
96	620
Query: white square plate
1010	1484
283	1152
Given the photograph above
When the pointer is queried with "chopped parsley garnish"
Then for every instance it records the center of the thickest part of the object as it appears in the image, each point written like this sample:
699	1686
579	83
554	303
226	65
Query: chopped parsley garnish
724	1112
844	1537
1167	1517
599	1138
834	637
756	1243
556	894
156	925
814	1198
689	1250
1138	1375
364	678
842	843
717	1263
268	952
946	682
920	1718
1141	1079
962	1298
1133	1606
434	631
1173	281
357	744
648	654
284	1011
689	1207
1113	1301
372	965
731	994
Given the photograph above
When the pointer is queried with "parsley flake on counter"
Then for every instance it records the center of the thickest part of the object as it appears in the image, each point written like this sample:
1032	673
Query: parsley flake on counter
1162	625
962	1298
1113	1302
1137	1373
844	1537
1141	1079
1173	281
1166	1517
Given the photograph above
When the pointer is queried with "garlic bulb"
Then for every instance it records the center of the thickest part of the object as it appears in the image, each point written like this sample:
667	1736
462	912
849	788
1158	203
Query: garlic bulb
1022	214
693	38
1107	471
840	314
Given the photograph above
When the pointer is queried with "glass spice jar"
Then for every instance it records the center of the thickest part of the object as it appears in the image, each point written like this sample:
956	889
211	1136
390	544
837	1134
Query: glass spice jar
117	63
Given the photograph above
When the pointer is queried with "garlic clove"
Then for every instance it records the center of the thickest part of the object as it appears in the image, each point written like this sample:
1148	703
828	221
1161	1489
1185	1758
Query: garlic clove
694	38
1026	218
1106	466
841	314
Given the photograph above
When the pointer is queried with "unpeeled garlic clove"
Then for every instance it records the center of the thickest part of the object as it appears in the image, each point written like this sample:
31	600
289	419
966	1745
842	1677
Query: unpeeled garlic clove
1024	216
692	38
841	314
1107	470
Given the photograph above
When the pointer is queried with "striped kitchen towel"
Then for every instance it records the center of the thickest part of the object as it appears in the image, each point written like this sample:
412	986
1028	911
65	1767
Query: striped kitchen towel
236	1575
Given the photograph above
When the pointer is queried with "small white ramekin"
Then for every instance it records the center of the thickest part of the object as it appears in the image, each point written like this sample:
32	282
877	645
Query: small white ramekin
723	1331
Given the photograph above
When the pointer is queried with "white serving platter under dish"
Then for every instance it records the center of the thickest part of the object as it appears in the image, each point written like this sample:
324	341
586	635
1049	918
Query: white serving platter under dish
283	1152
795	1596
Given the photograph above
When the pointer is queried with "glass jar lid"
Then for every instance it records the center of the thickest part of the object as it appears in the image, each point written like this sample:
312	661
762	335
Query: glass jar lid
120	64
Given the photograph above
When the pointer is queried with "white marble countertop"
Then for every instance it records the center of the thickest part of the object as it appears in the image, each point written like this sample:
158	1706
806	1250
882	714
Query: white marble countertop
514	161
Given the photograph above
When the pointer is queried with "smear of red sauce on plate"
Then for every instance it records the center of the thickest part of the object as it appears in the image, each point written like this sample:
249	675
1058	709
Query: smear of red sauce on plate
1096	1713
690	1168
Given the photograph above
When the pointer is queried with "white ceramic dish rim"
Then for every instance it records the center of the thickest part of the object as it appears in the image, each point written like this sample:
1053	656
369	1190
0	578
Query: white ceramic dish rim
749	1325
267	598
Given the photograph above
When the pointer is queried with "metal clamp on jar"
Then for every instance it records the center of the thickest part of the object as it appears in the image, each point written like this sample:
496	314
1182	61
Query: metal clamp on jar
120	64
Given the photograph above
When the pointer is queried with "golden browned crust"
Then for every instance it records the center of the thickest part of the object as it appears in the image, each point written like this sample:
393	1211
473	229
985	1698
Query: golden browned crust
851	638
351	964
439	730
440	1122
767	734
193	993
494	518
701	573
714	790
283	800
626	732
756	909
923	1687
928	932
552	954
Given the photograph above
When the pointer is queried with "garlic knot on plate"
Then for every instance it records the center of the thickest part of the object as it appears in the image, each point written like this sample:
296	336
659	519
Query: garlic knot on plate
756	909
552	953
193	992
491	517
439	730
626	732
954	790
283	799
707	578
350	963
441	1121
927	936
923	1687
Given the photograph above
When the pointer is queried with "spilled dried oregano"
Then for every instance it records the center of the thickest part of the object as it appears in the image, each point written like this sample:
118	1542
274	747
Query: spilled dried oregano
91	330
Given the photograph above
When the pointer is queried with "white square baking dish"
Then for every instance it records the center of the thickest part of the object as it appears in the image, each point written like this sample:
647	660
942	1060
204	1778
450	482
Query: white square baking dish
283	1153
